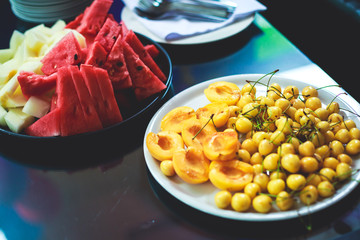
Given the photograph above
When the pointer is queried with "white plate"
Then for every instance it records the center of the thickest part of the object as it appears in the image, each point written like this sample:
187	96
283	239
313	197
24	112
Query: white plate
130	19
201	196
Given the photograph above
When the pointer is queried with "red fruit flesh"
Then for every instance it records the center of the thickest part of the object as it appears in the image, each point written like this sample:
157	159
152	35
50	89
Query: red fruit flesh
140	50
47	126
33	84
145	82
86	101
66	52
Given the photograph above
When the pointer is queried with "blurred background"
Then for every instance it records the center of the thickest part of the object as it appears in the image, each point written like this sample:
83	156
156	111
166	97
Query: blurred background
327	31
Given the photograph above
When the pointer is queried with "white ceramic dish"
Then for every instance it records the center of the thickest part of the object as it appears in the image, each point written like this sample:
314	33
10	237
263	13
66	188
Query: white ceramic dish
201	197
130	19
47	11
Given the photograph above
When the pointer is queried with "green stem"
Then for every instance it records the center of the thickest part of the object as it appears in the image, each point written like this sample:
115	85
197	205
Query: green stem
211	118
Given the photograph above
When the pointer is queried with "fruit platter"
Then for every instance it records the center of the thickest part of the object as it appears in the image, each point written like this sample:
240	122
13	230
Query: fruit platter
255	147
76	94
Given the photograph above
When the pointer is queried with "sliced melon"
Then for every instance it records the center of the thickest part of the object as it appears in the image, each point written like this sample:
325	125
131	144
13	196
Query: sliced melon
47	126
100	88
6	55
15	40
96	55
108	34
33	84
94	17
140	50
59	25
36	106
90	80
36	37
116	66
3	112
17	120
107	91
145	82
8	90
86	101
72	119
8	70
152	50
66	52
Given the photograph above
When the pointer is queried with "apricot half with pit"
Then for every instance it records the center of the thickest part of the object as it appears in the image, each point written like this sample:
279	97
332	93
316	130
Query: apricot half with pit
221	91
221	146
191	165
176	118
219	112
163	144
231	175
195	132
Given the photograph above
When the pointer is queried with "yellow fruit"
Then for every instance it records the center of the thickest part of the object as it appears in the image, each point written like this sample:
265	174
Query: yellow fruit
219	112
194	132
177	118
221	91
221	146
167	168
162	145
240	202
284	201
223	199
230	175
191	165
262	203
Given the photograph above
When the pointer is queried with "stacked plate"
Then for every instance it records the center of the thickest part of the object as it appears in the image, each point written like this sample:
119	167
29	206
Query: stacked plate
46	11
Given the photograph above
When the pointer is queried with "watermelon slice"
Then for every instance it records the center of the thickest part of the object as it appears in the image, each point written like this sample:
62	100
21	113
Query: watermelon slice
108	34
96	55
100	88
74	24
94	17
72	119
107	92
152	50
66	52
94	90
116	66
87	103
124	30
145	82
139	49
53	101
47	126
33	84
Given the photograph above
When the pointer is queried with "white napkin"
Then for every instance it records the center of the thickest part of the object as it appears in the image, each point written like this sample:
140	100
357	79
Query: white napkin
179	28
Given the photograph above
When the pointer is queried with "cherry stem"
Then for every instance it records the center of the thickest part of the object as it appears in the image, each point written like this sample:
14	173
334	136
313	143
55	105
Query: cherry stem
210	119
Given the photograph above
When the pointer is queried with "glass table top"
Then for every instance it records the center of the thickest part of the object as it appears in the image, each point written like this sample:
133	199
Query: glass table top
121	200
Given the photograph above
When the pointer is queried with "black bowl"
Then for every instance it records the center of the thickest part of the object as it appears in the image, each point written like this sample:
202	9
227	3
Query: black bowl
92	148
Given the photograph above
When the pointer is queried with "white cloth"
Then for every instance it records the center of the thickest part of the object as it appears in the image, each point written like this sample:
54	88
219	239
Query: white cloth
179	28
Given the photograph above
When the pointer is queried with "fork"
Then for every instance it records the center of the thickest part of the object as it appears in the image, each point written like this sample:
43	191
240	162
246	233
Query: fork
202	10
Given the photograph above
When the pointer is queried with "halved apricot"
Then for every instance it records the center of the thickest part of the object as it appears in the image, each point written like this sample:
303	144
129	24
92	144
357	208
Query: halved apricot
219	112
176	118
221	146
195	132
222	91
191	165
230	175
162	145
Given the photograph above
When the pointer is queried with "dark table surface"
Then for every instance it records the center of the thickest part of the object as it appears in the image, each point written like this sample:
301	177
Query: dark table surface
121	200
